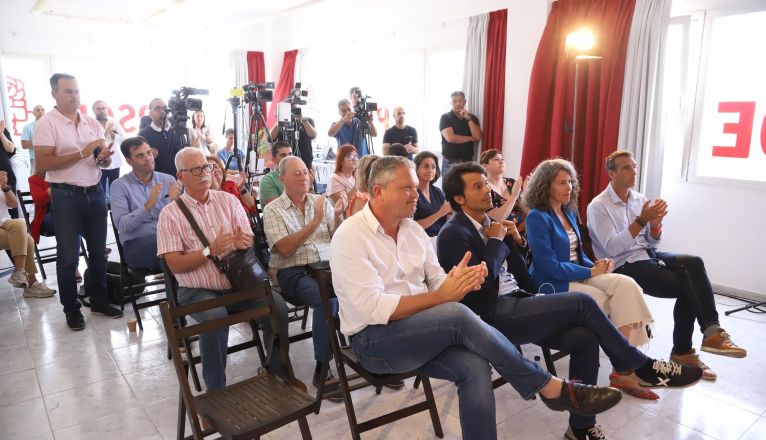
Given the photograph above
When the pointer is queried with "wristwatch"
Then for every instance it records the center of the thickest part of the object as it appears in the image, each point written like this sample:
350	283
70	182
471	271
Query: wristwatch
206	252
6	188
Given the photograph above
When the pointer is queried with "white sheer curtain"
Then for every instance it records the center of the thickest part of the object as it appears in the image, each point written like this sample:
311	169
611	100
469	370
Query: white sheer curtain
640	130
473	71
238	67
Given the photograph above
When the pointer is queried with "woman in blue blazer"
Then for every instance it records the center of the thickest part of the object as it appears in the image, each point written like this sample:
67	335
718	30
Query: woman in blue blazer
559	263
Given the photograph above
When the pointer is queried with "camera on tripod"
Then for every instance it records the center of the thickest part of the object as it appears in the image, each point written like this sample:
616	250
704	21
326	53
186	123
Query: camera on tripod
258	93
180	103
296	95
288	111
363	108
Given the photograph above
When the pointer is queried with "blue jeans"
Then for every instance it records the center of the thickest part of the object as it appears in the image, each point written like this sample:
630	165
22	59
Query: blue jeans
77	212
451	342
571	322
299	287
213	345
107	178
684	278
449	163
141	253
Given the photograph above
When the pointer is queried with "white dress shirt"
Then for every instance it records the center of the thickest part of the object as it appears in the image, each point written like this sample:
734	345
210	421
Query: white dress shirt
371	271
508	283
608	221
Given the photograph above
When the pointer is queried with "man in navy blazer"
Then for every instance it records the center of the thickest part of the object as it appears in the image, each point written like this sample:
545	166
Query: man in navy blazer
572	322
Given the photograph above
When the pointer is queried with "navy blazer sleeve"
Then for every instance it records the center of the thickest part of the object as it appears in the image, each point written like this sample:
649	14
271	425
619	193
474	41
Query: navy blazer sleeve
454	241
542	241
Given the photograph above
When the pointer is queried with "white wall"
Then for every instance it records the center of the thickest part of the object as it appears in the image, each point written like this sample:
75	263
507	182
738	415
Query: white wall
353	27
722	224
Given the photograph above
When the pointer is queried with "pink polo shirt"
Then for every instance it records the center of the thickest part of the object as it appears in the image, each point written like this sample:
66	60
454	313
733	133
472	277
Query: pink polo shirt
67	137
222	213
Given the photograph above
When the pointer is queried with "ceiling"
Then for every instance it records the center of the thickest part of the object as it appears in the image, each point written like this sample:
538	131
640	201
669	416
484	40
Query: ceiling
207	15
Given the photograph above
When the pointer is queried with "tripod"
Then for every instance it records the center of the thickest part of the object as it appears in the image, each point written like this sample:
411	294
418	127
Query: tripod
362	132
291	133
751	304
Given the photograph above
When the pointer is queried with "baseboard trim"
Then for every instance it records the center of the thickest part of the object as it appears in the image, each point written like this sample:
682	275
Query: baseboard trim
749	294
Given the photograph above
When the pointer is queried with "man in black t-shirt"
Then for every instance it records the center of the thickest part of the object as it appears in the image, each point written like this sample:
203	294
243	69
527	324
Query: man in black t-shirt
306	133
401	133
164	140
460	131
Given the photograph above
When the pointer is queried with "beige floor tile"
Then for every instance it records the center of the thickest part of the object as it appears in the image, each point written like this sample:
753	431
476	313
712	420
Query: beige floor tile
655	427
141	356
154	384
133	424
757	431
75	346
18	387
24	420
164	415
79	405
76	372
15	359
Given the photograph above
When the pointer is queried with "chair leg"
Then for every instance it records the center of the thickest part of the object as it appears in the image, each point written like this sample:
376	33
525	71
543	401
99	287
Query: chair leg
549	361
305	317
181	429
305	431
417	382
192	365
432	407
320	387
343	380
136	309
40	263
258	343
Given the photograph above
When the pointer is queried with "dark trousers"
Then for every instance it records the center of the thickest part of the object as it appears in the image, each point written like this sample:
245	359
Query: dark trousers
76	211
571	322
141	253
107	178
682	277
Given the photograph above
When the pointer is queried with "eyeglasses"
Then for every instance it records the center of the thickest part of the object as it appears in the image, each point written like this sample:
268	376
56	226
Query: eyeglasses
158	108
352	156
197	171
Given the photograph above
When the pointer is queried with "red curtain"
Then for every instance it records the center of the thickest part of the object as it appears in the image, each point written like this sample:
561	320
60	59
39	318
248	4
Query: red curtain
284	84
494	81
256	68
551	91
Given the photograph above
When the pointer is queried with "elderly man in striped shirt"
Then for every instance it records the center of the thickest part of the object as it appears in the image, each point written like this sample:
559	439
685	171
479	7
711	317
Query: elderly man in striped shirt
224	222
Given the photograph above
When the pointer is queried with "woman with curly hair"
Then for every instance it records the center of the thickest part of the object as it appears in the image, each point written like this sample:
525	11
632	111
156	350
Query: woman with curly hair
560	265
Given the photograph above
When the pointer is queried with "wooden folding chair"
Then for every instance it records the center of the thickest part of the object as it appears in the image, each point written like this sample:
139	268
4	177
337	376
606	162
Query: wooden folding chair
345	357
133	282
247	409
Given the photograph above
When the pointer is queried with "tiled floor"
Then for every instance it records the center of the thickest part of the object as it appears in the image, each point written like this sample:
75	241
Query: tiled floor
104	382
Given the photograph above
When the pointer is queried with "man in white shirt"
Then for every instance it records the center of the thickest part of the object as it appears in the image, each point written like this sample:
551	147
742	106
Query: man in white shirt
113	135
401	310
626	226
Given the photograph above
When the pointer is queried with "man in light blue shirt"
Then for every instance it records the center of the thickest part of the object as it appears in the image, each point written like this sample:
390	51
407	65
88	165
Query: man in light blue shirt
29	131
626	226
137	199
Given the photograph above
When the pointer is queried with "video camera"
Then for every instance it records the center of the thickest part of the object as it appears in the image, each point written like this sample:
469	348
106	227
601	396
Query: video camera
296	95
179	104
363	108
258	93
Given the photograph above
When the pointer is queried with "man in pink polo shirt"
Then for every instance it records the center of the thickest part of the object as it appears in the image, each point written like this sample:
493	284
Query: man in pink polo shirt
70	147
224	222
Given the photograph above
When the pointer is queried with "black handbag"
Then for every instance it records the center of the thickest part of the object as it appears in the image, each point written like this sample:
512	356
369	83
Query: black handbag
242	267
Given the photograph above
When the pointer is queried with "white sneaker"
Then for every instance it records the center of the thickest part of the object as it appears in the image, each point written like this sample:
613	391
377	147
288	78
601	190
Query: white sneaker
19	279
38	290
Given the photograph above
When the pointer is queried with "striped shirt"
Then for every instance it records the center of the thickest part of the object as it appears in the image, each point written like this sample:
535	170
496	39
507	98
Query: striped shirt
222	213
282	218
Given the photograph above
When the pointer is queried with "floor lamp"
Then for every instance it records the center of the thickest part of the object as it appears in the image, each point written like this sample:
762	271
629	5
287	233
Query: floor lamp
579	43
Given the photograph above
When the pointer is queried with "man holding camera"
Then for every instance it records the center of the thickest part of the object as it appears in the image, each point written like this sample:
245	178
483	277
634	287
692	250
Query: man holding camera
306	133
401	133
70	147
460	131
164	139
349	129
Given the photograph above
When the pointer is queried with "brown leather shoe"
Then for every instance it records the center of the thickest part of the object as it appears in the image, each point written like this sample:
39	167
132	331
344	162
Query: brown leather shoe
720	343
629	383
692	358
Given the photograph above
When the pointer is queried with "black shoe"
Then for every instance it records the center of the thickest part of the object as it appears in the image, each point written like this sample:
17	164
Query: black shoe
584	400
106	310
668	374
592	433
331	390
75	320
398	385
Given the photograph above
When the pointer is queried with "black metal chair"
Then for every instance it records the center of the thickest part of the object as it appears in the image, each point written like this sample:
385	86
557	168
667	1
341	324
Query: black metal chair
46	254
249	408
345	357
133	282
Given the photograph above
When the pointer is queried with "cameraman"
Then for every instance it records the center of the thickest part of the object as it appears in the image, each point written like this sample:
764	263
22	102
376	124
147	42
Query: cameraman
306	133
401	133
346	128
164	140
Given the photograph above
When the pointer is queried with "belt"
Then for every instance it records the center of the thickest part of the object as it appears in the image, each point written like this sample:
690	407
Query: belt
68	187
